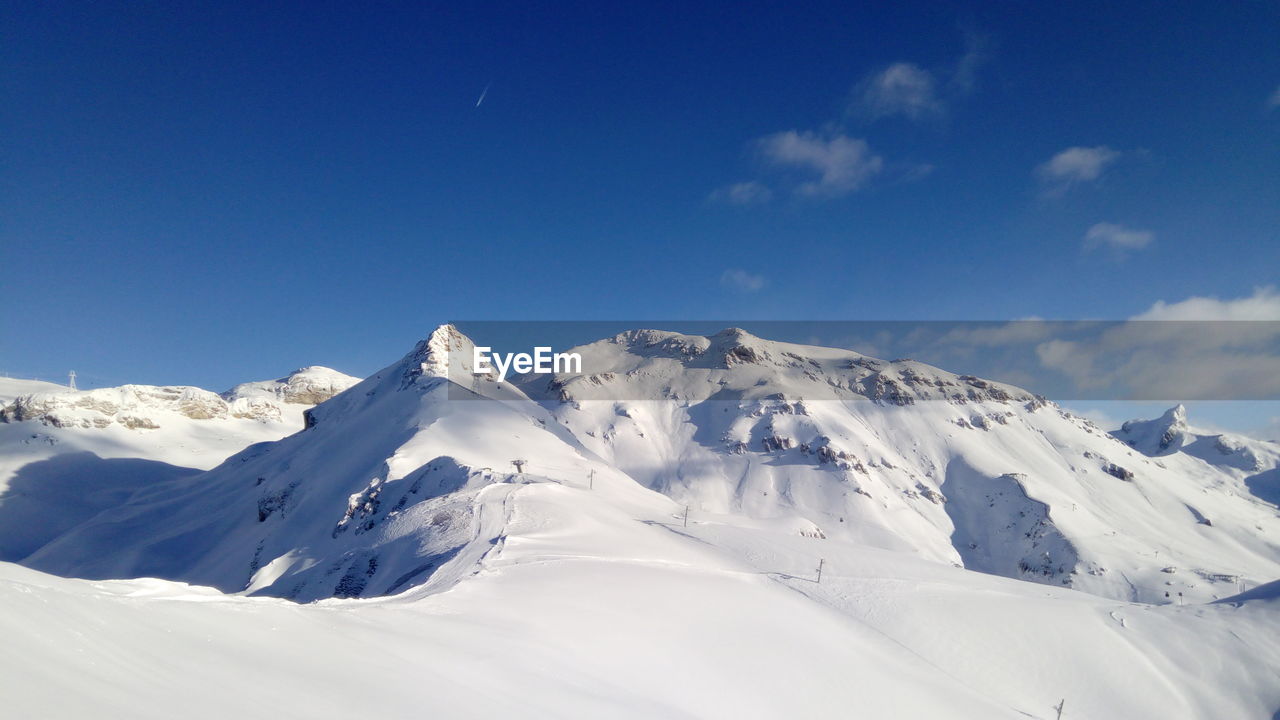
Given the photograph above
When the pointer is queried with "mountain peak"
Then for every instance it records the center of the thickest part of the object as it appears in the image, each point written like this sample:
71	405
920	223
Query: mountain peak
651	343
309	385
735	334
432	356
1165	434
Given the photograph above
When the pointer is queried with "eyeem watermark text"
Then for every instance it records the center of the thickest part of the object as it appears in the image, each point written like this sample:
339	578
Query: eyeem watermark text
484	362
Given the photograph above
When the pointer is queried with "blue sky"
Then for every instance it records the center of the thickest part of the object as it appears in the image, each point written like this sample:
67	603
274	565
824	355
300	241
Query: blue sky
210	193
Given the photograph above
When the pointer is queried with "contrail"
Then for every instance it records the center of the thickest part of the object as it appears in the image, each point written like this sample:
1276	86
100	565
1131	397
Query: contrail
482	94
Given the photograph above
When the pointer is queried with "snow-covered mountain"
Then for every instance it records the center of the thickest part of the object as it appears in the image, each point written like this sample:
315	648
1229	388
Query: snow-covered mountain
1232	460
904	456
378	494
145	407
380	491
66	455
673	506
1171	435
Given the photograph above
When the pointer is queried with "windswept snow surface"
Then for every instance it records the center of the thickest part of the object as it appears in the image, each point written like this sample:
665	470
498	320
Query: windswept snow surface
588	603
13	388
657	554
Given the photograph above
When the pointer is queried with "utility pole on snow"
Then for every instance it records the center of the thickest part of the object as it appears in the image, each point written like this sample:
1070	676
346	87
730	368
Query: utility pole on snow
71	379
591	479
821	562
686	516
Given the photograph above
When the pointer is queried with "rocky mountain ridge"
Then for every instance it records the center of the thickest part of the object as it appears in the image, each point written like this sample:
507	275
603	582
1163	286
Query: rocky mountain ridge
387	489
145	407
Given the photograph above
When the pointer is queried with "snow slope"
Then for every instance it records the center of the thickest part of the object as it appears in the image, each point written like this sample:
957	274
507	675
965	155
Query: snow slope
377	495
904	456
12	388
656	554
1243	461
587	603
66	455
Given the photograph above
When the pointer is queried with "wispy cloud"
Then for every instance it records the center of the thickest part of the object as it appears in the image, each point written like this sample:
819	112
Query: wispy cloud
976	54
1264	304
1199	349
911	172
741	280
743	193
1073	166
1170	361
908	90
843	164
1117	238
902	88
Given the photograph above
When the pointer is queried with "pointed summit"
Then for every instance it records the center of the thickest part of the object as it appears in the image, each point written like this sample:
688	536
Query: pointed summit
1161	436
1175	416
738	346
445	347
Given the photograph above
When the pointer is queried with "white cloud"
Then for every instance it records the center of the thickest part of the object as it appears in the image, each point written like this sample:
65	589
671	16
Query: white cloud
975	56
900	89
1264	304
743	193
1170	372
1026	330
1071	358
741	280
1075	165
1198	348
918	172
843	164
1166	361
1117	237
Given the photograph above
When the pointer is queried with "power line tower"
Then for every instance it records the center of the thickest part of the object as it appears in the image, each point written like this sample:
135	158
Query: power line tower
71	379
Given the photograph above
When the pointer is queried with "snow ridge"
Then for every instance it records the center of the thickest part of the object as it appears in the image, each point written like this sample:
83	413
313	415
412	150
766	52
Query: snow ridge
902	456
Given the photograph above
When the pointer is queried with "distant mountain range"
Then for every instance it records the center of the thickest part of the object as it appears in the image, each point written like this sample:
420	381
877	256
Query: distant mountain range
719	526
378	493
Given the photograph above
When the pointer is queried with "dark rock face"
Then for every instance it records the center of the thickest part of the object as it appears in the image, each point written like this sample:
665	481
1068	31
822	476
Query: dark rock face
1116	471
